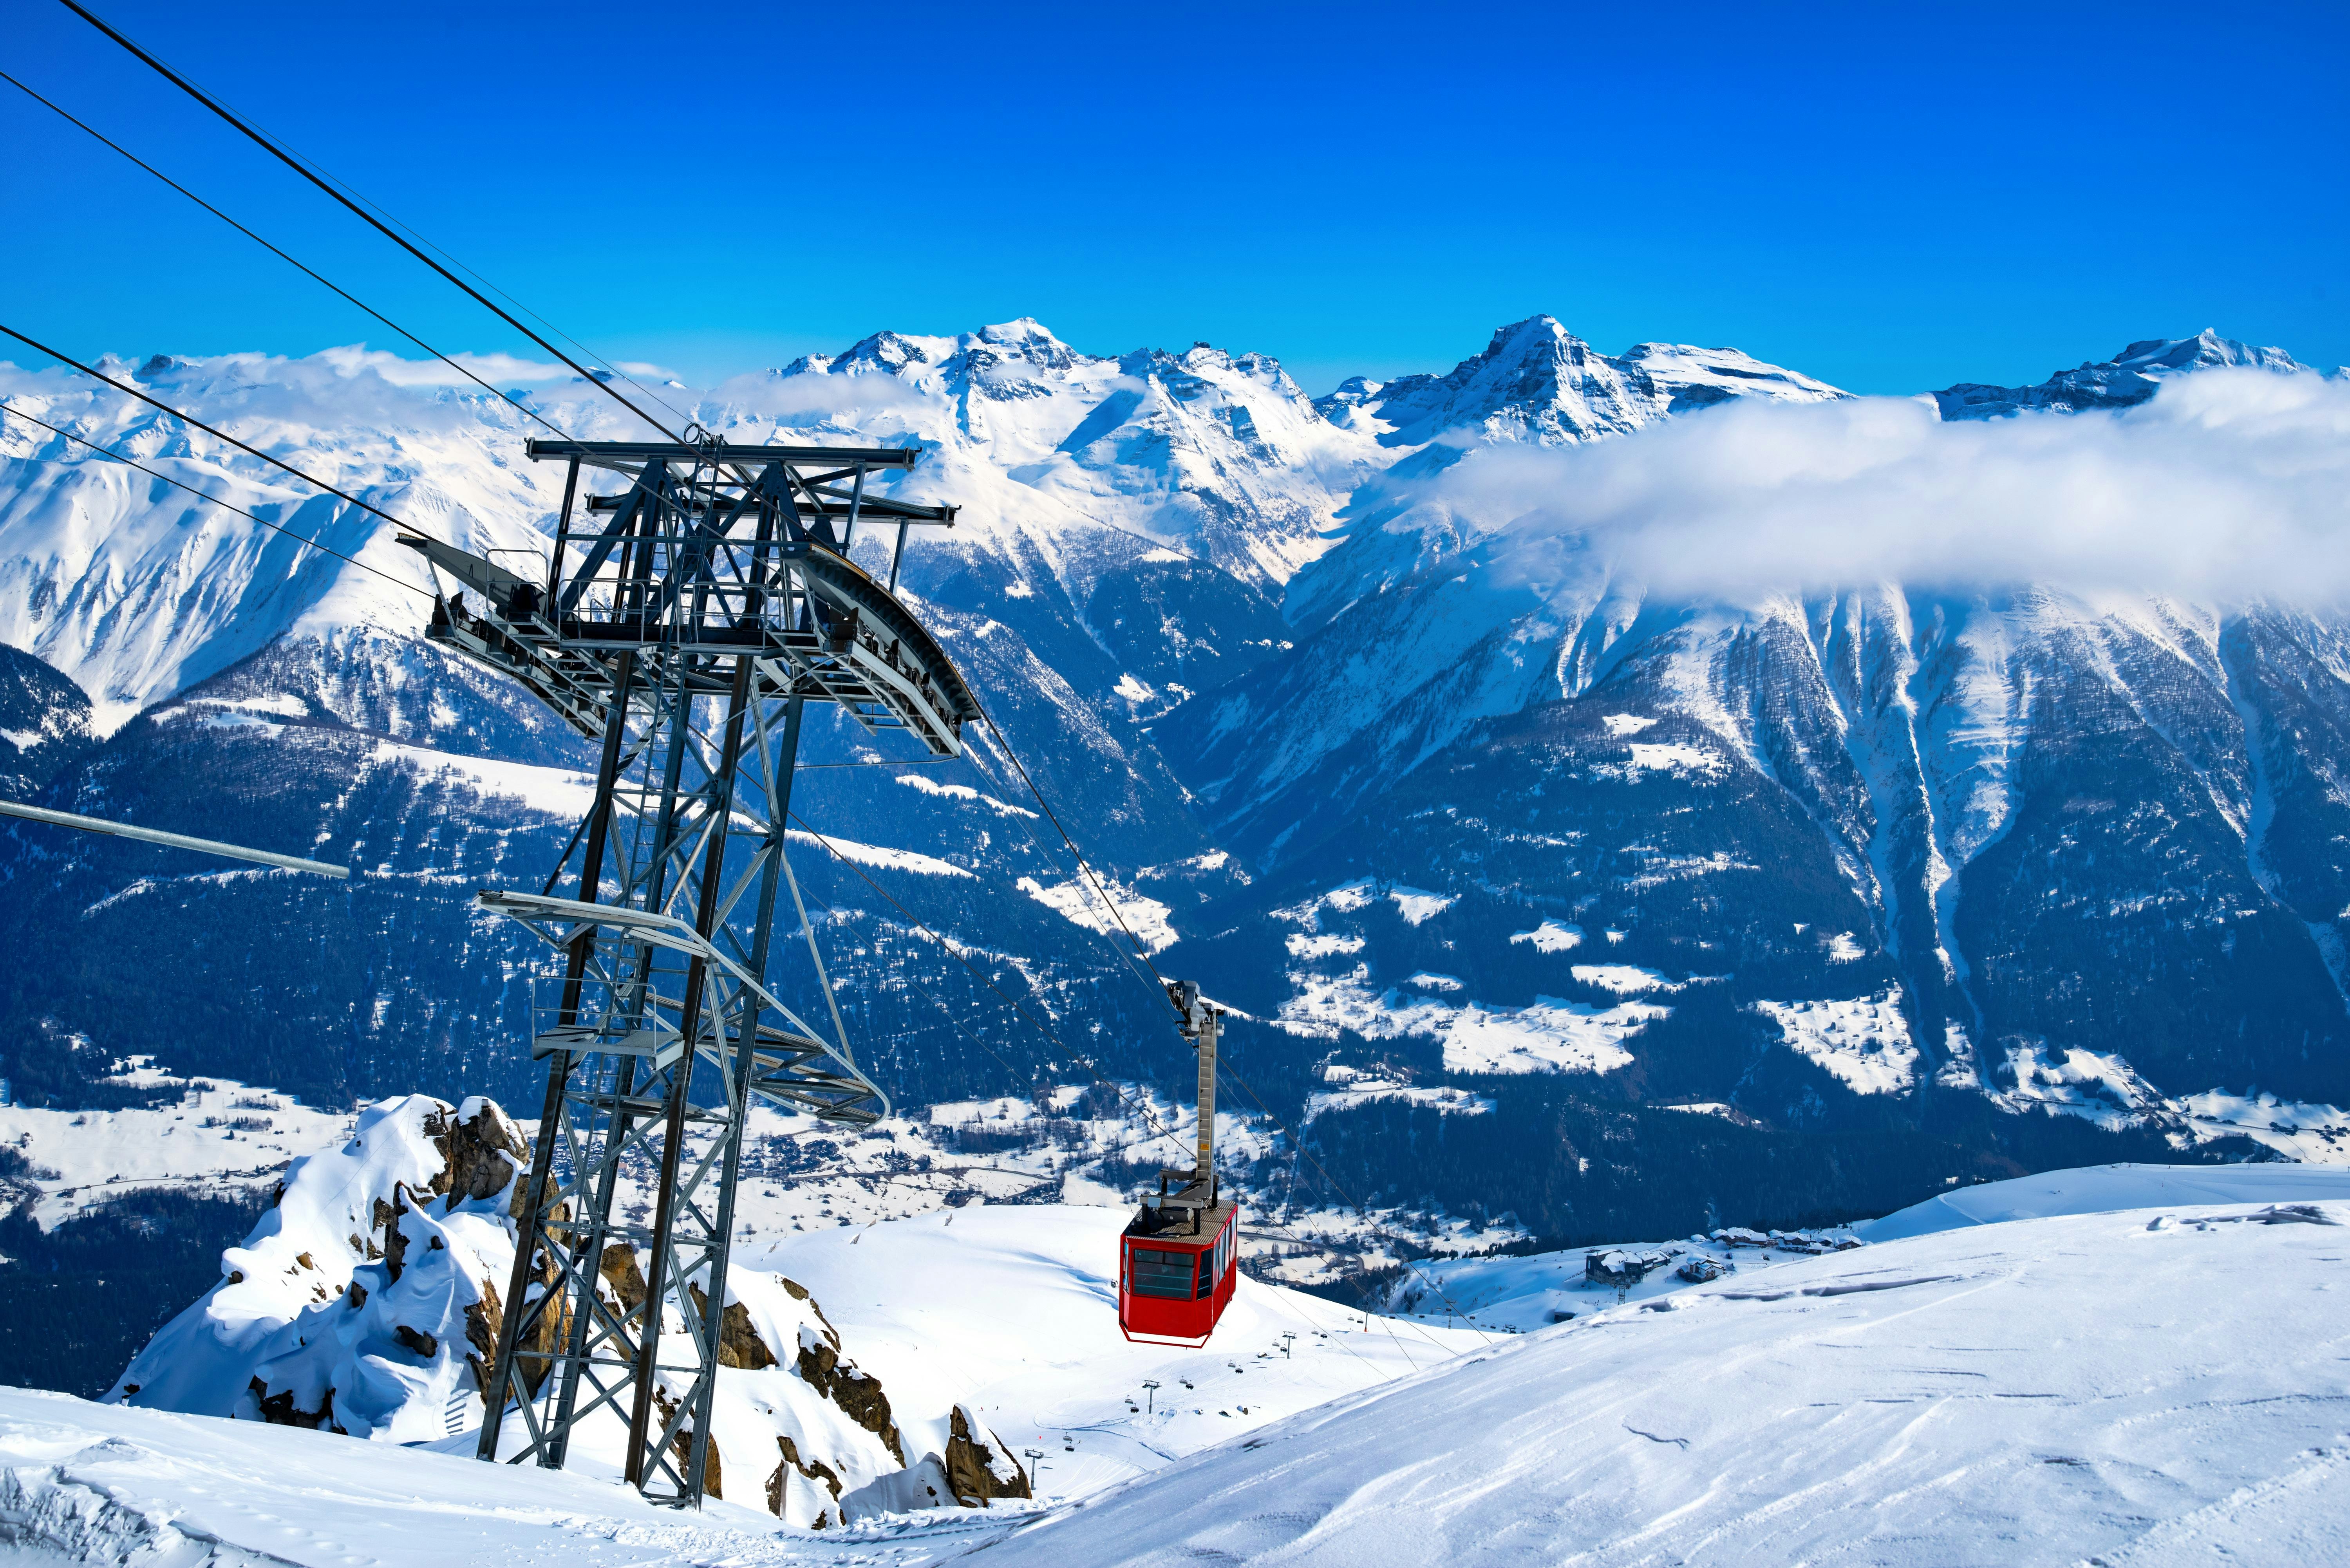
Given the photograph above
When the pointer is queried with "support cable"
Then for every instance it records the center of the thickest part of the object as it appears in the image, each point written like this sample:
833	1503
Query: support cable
303	168
1144	1111
1224	1071
278	527
1141	950
195	424
1141	1108
289	260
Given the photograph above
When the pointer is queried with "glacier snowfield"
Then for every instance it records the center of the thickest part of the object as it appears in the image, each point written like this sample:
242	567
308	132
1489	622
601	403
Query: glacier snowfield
2117	1366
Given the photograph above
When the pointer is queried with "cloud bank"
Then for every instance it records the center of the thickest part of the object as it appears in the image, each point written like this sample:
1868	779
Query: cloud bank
2230	485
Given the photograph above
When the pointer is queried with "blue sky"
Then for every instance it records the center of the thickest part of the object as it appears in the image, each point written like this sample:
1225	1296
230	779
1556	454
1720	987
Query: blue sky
1893	198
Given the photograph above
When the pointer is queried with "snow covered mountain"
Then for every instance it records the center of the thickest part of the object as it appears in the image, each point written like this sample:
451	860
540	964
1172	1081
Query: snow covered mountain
1507	852
2126	380
1538	382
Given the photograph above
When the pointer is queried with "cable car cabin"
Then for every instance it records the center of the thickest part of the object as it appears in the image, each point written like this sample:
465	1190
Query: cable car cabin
1177	1266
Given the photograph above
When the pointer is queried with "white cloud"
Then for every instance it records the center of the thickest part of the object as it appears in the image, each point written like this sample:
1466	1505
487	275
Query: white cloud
2229	484
815	396
502	370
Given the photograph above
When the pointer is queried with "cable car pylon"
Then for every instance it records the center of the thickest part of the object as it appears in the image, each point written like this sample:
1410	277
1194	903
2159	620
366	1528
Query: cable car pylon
683	623
1179	1260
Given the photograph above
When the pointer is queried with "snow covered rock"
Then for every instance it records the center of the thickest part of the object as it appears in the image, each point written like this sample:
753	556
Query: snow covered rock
979	1465
364	1301
367	1303
1538	382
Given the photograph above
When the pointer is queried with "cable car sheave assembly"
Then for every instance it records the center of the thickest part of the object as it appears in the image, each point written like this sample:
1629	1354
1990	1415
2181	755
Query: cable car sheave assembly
1177	1263
683	625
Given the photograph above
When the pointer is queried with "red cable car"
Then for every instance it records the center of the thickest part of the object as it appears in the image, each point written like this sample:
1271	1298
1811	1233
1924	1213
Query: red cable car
1178	1260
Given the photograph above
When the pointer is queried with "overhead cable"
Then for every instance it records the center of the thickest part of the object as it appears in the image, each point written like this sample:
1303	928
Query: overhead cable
949	948
281	256
303	168
1141	950
199	424
1222	1070
201	496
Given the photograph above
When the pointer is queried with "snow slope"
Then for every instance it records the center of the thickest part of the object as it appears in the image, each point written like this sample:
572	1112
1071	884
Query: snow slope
2098	1388
2108	1189
2049	1388
94	1483
1012	1311
1522	1292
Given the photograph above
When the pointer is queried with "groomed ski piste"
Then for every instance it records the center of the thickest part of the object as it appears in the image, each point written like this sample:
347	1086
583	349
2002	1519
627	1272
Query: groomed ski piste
2123	1365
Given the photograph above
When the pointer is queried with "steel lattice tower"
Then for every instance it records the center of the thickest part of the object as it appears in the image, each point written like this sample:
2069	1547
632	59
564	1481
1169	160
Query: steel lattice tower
684	623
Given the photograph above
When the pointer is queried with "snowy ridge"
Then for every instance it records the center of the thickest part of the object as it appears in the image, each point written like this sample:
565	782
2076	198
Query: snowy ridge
1856	1406
2129	378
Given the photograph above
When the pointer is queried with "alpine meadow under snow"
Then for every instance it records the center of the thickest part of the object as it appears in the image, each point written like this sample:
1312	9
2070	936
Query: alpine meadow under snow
1790	952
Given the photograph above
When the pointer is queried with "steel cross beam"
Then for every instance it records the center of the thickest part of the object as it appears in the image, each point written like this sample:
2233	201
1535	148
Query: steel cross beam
685	630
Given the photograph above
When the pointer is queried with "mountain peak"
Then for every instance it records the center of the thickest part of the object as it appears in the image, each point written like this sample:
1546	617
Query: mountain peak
1536	382
2128	378
1020	332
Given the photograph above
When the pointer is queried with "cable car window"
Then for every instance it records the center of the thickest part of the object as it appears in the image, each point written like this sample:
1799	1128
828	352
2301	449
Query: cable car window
1212	1266
1158	1274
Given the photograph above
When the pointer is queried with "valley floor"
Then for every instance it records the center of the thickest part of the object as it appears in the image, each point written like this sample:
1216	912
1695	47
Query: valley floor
2102	1366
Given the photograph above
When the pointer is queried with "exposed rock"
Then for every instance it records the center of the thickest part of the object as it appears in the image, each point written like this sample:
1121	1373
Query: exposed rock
682	1445
859	1393
482	1153
416	1340
815	1470
279	1410
618	1267
799	1293
739	1343
395	1245
972	1468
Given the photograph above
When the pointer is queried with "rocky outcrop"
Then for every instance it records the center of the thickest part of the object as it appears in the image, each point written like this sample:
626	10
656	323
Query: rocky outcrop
739	1343
979	1471
482	1153
386	1252
813	1471
682	1446
859	1393
618	1266
370	1302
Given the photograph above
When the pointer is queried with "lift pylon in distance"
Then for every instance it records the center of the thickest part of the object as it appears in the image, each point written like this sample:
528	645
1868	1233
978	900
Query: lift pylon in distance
684	622
1179	1260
